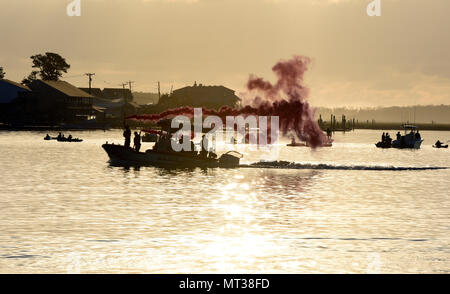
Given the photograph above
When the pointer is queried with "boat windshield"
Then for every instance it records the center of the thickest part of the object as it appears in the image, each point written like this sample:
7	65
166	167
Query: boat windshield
411	128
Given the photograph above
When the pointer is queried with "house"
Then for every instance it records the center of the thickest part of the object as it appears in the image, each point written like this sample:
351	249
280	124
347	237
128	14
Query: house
59	101
117	93
201	96
114	107
9	92
96	92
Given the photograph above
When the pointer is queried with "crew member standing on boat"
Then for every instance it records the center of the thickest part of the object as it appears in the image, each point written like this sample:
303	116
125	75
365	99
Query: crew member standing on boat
418	137
329	134
127	135
205	143
137	141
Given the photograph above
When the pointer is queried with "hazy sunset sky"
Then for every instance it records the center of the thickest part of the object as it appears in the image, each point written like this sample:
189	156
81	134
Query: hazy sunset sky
399	58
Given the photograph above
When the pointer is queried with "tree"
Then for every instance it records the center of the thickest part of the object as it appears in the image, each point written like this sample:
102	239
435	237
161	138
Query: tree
2	73
51	66
31	77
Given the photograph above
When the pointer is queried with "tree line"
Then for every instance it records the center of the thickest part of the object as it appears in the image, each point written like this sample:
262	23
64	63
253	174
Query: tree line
48	66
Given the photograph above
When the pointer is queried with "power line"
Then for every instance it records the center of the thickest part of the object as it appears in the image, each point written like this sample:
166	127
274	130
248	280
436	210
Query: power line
76	76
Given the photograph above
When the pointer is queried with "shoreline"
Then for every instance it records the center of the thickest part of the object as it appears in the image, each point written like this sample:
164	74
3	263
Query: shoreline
360	126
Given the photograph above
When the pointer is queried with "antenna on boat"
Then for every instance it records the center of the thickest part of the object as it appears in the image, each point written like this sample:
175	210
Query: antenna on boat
415	107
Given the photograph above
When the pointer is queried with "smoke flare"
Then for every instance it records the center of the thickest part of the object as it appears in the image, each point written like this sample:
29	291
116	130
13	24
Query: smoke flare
285	99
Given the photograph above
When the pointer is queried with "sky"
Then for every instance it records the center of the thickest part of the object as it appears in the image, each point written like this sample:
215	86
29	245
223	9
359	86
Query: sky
399	58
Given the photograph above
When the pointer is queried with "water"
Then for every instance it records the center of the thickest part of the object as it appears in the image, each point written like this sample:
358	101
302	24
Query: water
63	208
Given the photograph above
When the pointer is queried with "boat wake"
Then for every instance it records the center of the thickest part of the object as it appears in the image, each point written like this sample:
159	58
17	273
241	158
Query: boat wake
323	166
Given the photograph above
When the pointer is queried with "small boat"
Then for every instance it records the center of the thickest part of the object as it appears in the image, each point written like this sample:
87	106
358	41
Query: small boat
48	138
122	155
441	146
70	140
383	145
411	140
305	144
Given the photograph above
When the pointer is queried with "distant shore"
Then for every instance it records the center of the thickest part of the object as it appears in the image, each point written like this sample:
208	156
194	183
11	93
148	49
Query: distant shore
42	128
324	126
398	126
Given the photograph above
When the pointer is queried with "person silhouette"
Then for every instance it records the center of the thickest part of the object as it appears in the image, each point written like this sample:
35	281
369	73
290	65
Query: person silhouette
127	135
329	134
137	141
205	143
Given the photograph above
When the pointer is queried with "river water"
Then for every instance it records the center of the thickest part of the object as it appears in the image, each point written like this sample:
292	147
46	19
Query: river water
65	209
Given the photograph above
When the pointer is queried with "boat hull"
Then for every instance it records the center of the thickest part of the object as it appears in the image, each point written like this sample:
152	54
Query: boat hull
122	155
383	145
70	140
304	144
441	147
411	144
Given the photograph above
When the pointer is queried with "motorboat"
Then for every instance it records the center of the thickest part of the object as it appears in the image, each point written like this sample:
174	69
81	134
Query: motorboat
384	145
439	145
48	138
293	143
70	140
410	140
122	155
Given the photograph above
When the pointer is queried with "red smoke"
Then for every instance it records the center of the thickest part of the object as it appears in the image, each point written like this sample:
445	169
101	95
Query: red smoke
286	99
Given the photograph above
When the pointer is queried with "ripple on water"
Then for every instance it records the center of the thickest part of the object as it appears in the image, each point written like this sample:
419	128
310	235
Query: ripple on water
328	215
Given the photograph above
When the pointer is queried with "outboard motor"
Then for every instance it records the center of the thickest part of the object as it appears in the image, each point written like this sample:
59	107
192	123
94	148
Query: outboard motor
230	159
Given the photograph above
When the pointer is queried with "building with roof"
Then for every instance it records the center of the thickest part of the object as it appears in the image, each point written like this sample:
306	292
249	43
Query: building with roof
59	101
117	93
201	96
10	90
96	92
115	106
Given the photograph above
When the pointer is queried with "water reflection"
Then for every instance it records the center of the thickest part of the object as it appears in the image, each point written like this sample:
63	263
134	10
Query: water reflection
161	170
69	199
244	237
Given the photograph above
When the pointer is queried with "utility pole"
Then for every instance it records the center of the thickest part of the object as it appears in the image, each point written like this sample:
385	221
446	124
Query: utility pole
90	80
129	83
159	90
124	92
124	103
131	92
